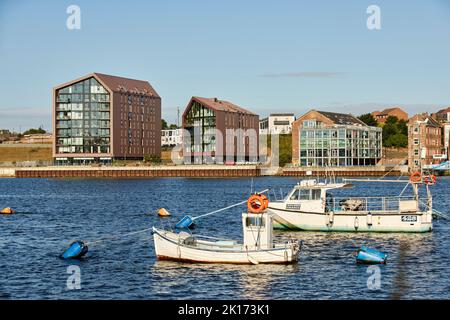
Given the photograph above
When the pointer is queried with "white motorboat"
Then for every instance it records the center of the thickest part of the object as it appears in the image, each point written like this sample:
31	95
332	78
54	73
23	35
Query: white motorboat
310	205
257	247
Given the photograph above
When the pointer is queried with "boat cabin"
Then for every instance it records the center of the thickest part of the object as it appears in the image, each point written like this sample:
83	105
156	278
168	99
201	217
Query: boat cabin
311	196
258	230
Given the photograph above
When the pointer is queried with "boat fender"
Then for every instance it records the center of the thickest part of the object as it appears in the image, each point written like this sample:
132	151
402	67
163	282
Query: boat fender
185	223
75	251
369	219
331	217
356	223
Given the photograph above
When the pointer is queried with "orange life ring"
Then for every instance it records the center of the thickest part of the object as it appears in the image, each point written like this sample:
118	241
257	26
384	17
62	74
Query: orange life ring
431	179
265	201
416	177
257	203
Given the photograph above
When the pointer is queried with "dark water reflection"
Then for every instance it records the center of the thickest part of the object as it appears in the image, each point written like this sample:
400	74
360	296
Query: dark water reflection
55	212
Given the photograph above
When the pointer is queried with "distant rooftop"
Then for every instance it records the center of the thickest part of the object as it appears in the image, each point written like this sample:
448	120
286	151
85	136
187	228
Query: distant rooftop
118	84
424	117
221	105
342	118
281	114
126	84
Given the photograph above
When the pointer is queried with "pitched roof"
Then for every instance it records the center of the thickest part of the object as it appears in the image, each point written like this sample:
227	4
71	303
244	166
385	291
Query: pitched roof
386	111
342	118
120	84
281	115
444	110
425	117
221	105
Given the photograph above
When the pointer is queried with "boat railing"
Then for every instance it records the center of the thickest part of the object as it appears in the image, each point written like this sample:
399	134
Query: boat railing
376	204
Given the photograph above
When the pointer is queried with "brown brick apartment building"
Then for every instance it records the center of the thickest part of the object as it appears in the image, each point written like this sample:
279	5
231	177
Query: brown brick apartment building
218	131
381	116
99	117
424	141
321	138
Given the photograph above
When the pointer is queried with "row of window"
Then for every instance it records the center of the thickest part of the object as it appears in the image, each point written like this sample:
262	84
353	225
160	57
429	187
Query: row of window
341	133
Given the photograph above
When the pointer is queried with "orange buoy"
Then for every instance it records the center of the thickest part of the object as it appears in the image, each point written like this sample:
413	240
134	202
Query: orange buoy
257	203
416	177
7	211
163	212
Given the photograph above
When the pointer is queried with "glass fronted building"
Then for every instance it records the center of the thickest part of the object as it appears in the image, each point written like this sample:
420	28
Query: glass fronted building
83	123
99	118
218	131
331	139
200	124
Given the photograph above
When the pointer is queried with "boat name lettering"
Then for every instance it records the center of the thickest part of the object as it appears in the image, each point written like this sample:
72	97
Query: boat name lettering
293	206
409	218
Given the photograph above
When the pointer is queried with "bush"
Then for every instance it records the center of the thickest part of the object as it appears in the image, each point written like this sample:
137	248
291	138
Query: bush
285	145
398	140
152	159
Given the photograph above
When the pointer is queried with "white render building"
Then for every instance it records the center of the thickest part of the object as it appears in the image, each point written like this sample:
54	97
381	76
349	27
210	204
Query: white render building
171	137
277	123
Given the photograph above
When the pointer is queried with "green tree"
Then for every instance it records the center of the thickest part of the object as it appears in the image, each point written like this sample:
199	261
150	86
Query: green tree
164	124
397	140
173	126
35	131
391	120
402	126
368	119
389	129
395	133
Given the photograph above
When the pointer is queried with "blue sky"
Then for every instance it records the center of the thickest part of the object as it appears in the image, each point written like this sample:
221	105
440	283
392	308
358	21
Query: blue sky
268	56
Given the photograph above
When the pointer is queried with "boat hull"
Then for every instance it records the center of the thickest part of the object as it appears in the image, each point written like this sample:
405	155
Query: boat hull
416	222
167	248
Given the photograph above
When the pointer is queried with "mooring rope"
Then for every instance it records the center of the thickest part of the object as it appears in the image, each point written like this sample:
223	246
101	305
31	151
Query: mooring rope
223	209
117	237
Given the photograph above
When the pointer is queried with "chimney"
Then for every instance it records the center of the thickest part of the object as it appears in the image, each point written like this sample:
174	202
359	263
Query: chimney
216	100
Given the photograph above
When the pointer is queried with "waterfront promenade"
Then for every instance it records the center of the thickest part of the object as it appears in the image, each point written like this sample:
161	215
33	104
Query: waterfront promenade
194	171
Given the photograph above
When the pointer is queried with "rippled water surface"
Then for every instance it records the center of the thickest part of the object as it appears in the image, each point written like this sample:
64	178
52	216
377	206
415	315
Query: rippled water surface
52	213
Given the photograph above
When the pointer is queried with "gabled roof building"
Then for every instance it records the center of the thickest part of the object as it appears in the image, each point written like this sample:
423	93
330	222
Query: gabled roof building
329	139
99	117
218	131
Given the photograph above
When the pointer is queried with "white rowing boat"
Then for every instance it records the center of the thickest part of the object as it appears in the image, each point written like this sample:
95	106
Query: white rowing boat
257	247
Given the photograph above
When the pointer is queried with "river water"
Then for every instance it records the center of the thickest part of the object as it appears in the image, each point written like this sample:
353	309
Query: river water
54	212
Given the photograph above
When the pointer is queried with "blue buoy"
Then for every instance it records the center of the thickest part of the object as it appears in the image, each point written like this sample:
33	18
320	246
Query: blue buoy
370	256
184	223
76	250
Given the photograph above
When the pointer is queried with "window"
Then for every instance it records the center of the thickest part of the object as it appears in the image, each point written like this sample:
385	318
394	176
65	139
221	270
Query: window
416	141
315	194
309	123
294	196
254	221
305	194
